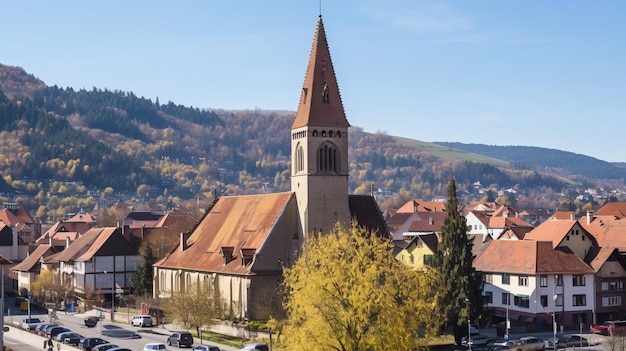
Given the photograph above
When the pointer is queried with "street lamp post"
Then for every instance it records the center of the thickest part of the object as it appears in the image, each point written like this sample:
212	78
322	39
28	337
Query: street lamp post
507	322
554	322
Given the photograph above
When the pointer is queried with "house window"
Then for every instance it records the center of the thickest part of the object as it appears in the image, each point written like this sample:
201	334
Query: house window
543	280
488	297
489	278
579	300
505	298
299	159
522	301
612	286
428	260
578	280
544	300
611	301
559	300
567	237
506	278
522	280
558	278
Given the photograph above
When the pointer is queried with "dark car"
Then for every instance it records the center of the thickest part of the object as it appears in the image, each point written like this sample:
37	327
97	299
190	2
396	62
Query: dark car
569	340
40	329
56	330
69	338
180	339
91	322
87	344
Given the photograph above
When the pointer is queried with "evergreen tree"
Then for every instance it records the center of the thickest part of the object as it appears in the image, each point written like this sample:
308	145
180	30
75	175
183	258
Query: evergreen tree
461	288
141	281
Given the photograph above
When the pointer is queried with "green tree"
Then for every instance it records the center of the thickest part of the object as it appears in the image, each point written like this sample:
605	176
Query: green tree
460	284
141	281
348	293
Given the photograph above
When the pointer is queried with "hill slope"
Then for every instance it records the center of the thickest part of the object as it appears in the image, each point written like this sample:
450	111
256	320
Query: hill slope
544	159
129	144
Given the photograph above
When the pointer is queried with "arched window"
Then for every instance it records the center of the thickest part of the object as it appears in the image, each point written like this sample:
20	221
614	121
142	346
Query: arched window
331	134
299	161
323	133
327	158
338	134
315	133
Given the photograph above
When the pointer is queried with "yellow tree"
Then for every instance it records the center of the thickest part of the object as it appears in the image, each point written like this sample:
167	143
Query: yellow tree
347	292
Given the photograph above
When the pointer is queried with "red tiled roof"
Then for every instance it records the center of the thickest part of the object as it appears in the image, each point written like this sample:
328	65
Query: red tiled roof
529	257
32	261
427	222
312	109
552	230
608	231
422	206
234	222
617	209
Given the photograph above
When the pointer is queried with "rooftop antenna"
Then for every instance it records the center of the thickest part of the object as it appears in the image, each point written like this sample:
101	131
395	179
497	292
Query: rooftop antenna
320	8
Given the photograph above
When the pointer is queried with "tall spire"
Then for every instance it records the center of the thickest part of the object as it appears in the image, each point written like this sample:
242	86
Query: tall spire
320	100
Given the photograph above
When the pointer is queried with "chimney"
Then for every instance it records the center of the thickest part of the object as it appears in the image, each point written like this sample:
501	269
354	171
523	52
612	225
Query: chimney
414	206
67	242
505	214
589	217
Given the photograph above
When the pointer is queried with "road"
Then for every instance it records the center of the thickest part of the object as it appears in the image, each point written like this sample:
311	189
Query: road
76	324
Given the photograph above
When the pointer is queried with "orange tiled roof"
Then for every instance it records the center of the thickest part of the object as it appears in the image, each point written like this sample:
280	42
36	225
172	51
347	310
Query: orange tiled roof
233	225
528	257
435	206
598	256
313	110
617	209
608	231
563	215
32	261
552	230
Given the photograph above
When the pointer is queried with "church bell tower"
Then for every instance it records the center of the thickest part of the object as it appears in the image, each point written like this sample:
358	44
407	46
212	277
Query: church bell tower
319	145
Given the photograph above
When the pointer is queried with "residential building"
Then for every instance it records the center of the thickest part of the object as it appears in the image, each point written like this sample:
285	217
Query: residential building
533	283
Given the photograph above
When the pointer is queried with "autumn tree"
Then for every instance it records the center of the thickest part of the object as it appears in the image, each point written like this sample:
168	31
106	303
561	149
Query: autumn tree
48	285
460	284
195	308
348	293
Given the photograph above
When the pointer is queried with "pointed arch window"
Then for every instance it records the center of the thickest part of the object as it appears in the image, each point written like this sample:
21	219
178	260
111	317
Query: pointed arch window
299	162
327	158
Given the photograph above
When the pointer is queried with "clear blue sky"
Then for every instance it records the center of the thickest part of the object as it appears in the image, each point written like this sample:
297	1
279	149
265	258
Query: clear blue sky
533	73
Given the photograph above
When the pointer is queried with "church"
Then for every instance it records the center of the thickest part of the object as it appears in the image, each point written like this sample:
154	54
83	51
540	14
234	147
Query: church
238	250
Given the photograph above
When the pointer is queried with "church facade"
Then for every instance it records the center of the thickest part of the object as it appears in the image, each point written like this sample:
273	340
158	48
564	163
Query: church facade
239	248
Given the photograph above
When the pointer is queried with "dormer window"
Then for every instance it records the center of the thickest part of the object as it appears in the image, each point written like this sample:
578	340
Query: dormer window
227	254
247	256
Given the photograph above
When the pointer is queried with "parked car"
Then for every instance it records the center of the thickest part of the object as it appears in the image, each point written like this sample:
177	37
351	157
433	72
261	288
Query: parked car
475	340
56	330
91	321
180	339
473	330
568	340
528	343
104	347
69	338
119	349
87	344
255	346
609	328
154	346
40	328
141	321
30	323
206	348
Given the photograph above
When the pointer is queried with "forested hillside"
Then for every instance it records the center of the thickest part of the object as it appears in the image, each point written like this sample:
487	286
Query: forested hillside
114	141
544	159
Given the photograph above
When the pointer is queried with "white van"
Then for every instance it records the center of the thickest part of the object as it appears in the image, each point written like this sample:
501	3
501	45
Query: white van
141	321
